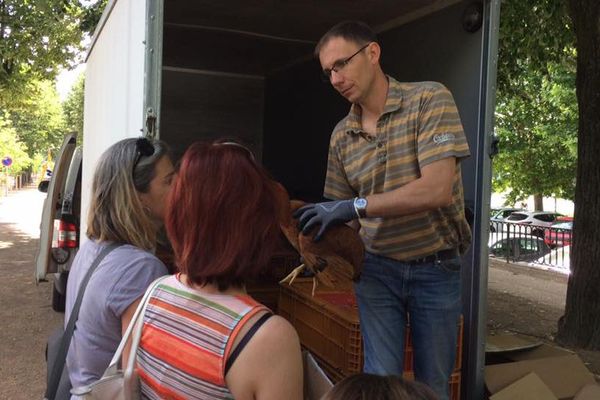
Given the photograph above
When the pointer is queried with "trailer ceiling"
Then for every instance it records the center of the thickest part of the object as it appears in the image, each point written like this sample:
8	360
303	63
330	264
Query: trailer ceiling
276	33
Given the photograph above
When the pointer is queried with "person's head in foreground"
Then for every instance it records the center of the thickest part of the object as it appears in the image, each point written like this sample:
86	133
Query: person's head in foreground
374	387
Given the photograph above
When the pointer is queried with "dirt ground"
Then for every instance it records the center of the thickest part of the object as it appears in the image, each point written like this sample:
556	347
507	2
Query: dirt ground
26	317
529	302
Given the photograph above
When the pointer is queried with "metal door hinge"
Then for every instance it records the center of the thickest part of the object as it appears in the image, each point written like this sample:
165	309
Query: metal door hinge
150	123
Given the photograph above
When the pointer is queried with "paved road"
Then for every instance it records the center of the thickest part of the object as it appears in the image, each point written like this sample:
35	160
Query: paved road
26	317
23	210
536	285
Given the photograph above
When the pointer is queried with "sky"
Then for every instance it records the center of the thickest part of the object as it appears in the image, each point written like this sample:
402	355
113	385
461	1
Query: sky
65	80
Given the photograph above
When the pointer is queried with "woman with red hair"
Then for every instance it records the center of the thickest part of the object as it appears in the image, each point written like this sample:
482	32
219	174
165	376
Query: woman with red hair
203	336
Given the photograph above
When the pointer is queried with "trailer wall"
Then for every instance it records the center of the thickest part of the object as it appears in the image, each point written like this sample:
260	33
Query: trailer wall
113	108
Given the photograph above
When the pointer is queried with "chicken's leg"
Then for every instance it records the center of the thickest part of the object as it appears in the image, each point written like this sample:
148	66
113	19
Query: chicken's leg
293	275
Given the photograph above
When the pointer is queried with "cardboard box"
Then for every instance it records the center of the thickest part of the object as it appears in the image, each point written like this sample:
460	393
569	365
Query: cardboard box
589	392
530	387
565	376
504	343
542	351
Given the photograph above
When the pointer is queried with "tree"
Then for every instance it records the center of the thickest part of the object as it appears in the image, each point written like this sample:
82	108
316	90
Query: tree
12	147
536	113
73	107
38	119
580	325
538	132
37	39
91	15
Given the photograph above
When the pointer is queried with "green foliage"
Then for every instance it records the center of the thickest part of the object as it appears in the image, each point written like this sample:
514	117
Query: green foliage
38	120
12	147
91	16
533	34
38	38
536	112
73	107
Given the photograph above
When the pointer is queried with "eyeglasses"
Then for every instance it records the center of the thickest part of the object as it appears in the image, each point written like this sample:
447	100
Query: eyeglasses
339	65
144	148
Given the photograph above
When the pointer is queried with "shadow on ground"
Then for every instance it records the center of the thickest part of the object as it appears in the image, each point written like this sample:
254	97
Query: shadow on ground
513	313
26	317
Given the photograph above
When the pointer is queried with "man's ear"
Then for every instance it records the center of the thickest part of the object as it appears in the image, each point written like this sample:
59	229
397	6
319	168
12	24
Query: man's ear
374	53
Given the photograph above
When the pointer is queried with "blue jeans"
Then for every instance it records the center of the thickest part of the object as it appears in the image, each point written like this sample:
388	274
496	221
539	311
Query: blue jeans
387	292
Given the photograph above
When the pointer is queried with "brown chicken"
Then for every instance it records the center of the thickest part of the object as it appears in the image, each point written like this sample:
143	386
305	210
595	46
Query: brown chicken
336	260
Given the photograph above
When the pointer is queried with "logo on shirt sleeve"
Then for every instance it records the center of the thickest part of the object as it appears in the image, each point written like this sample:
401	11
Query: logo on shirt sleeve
443	138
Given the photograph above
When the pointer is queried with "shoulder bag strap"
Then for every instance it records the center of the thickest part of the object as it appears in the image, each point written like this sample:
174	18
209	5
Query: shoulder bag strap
59	362
135	327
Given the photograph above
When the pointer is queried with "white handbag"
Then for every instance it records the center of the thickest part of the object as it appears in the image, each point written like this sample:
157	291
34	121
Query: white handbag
115	383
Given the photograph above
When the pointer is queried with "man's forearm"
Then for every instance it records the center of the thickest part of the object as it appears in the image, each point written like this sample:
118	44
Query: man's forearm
431	191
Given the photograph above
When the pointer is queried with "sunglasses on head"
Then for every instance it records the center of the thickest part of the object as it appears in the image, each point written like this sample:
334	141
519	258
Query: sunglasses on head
144	148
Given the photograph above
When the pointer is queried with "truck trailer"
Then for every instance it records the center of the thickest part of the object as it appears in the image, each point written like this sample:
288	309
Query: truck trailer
184	71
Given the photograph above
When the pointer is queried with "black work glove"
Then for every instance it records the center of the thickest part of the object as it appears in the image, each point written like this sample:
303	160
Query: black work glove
327	214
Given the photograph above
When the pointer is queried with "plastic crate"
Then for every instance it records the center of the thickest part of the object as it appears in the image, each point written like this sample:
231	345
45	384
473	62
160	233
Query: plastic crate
265	287
328	331
454	383
280	265
266	293
328	326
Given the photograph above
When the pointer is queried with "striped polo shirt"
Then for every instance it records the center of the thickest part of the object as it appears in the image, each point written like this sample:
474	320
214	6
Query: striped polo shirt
186	339
419	125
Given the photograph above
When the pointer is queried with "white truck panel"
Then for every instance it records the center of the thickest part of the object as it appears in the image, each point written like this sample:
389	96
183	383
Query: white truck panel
114	88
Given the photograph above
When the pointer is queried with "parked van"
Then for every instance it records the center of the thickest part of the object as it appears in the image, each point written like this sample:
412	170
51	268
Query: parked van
184	71
59	228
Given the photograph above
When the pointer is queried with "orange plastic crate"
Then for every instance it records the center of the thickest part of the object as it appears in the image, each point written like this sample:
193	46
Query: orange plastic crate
328	326
336	375
266	293
330	332
280	265
454	383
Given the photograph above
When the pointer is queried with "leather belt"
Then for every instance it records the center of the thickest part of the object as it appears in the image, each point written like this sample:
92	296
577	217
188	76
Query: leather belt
441	255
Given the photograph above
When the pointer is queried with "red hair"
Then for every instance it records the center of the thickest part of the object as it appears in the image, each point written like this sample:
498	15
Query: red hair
222	215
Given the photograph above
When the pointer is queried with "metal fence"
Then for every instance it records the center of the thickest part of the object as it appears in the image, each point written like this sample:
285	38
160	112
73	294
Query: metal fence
532	244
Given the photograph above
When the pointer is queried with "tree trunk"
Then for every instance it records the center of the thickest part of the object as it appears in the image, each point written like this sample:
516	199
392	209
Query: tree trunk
580	325
538	202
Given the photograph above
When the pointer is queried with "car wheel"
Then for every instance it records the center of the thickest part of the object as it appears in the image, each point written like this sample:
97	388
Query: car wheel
59	291
58	300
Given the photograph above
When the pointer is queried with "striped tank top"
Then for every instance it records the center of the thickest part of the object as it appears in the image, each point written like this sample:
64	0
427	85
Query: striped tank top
186	339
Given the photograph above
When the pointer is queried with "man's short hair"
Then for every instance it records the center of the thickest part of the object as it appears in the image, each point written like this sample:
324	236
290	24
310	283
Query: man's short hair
353	31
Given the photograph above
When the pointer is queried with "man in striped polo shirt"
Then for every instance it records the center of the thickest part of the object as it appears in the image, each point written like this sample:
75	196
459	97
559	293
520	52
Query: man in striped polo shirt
394	165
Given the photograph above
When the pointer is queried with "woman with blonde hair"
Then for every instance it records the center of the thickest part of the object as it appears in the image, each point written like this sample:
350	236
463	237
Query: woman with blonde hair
131	181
